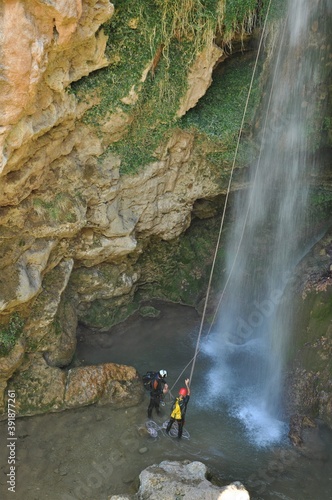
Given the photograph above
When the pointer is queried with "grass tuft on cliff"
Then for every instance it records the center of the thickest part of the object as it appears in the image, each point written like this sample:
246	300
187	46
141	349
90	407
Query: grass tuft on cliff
151	46
10	333
218	114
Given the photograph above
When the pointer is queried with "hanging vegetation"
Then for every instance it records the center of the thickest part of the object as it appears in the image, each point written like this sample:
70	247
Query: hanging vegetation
151	47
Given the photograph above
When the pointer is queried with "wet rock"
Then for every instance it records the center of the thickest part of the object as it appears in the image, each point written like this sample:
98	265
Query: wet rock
121	497
304	434
309	387
142	431
109	383
85	385
8	366
313	446
143	450
38	387
149	312
295	430
297	425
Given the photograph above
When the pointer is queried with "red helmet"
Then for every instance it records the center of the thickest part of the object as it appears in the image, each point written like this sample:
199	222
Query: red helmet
183	391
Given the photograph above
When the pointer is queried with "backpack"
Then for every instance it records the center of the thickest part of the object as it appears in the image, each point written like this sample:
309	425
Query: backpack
179	408
148	378
176	410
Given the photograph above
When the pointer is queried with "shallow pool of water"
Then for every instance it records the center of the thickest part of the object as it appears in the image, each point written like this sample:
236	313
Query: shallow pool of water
91	453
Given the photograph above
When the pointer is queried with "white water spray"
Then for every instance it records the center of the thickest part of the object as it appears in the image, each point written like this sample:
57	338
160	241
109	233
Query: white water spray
267	239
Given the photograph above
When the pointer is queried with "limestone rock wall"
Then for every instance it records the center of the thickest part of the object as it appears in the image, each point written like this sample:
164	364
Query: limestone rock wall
72	227
309	384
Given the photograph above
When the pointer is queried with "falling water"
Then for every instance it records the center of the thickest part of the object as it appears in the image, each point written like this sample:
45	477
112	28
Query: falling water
267	237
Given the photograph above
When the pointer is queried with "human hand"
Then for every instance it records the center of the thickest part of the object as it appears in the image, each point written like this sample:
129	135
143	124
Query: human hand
187	380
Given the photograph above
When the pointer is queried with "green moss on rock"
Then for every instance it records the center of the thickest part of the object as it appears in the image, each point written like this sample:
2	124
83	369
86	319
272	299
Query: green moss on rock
10	333
149	312
151	46
314	338
218	114
103	314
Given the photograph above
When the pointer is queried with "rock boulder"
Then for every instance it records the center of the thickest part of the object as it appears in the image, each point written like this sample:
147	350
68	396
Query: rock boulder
185	480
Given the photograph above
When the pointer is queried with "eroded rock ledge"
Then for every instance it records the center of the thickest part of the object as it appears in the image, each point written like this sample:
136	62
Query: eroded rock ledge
110	384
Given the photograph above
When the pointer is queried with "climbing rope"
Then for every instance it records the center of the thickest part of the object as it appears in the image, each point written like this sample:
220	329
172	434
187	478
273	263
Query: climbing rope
153	429
197	348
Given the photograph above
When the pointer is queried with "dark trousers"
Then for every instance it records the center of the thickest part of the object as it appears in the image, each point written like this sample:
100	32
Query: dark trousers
154	403
180	422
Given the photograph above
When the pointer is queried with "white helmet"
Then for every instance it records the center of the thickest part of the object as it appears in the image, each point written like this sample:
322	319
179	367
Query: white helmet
163	373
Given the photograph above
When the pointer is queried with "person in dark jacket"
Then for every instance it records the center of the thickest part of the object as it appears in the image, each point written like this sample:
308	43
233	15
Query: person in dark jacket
179	409
158	388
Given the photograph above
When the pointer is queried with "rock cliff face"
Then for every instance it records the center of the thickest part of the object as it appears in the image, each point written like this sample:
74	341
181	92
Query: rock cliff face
310	380
79	81
73	227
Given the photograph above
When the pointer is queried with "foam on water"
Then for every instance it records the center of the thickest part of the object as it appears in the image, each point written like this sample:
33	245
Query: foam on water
244	403
261	428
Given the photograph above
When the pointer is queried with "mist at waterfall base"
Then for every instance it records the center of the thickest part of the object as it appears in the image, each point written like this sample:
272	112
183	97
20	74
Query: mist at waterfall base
249	343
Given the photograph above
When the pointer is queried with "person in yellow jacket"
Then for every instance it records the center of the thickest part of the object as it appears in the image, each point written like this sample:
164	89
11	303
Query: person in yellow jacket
179	409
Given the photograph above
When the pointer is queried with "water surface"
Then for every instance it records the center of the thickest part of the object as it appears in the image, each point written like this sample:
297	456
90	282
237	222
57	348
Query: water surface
91	453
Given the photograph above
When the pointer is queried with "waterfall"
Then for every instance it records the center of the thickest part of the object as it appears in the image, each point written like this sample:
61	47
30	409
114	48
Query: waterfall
249	344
